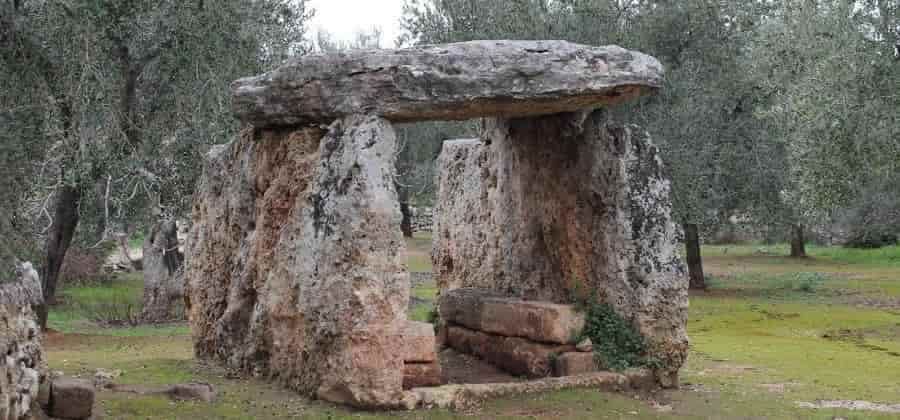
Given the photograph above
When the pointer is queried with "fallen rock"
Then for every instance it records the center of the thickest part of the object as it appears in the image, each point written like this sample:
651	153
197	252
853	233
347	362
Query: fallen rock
103	377
71	398
195	391
585	346
421	374
467	396
418	342
574	363
458	81
483	310
515	355
641	379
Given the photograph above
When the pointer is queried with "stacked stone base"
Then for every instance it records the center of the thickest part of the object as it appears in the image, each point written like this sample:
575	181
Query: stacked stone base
421	366
524	338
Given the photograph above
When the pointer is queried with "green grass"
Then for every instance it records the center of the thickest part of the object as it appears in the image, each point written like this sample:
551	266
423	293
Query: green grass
767	322
83	307
778	253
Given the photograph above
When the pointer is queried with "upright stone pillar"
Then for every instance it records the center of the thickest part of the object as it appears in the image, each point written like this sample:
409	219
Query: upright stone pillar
302	231
562	208
339	291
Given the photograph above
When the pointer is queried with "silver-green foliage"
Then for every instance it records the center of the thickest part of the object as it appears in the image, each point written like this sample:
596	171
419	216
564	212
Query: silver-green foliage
123	96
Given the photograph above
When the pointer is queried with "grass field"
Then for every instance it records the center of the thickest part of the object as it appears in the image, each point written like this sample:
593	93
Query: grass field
769	332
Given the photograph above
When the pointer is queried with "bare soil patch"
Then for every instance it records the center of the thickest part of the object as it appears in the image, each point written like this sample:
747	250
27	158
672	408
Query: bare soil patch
460	368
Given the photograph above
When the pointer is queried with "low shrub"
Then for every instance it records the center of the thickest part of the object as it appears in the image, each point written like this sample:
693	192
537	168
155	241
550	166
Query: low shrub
617	344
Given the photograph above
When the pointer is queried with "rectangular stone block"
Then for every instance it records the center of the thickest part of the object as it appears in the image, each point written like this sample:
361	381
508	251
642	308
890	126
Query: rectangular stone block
71	398
418	342
483	310
574	363
515	355
416	375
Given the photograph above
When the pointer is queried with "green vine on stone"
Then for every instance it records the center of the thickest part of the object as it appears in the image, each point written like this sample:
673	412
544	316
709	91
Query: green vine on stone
617	344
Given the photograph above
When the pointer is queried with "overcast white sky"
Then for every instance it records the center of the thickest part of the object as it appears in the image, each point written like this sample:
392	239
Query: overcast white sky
343	18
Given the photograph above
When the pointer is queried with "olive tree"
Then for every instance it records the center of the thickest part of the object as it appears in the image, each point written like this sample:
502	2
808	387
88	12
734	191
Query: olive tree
129	91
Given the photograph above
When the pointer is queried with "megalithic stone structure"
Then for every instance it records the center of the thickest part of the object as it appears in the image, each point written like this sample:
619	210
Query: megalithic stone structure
293	263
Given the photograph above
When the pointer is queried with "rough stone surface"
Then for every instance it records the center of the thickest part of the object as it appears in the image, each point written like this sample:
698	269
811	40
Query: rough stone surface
446	82
483	310
294	261
24	290
418	342
250	188
294	267
417	375
194	391
512	354
574	363
71	398
466	396
24	368
561	208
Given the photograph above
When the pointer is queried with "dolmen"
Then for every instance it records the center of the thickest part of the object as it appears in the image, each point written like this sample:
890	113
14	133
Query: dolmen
295	260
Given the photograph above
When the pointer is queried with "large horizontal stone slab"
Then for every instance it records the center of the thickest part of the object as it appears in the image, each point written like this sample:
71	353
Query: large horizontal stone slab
469	396
446	82
482	310
512	354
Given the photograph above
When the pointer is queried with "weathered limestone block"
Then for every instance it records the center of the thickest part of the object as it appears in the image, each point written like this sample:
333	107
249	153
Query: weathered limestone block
446	82
417	375
294	260
71	398
24	290
418	342
559	207
483	310
23	368
467	396
574	363
512	354
250	189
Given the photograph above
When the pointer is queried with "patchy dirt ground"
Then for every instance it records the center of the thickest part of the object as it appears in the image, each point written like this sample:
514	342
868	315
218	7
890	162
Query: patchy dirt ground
774	338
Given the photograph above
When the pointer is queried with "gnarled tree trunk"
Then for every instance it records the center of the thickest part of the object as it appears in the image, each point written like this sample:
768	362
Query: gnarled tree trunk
62	230
798	244
163	278
133	264
694	260
406	220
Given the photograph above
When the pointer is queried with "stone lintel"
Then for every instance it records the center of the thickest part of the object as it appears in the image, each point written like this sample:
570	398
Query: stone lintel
446	82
